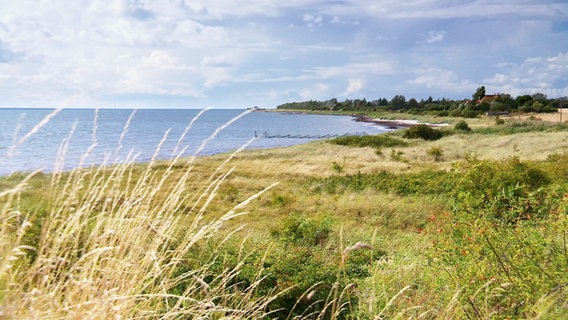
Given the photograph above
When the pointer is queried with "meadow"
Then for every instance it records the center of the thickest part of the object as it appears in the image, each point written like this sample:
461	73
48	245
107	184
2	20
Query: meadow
470	225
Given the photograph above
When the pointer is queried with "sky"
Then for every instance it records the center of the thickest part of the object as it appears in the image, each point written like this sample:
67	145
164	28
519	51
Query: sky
243	53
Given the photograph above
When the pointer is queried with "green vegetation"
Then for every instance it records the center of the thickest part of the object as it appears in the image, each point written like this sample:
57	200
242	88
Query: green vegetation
429	232
496	104
375	141
514	126
423	131
462	126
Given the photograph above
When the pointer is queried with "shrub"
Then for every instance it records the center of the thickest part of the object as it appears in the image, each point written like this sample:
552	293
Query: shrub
470	113
456	113
338	168
499	189
429	182
462	126
499	121
301	230
397	155
436	152
375	141
423	131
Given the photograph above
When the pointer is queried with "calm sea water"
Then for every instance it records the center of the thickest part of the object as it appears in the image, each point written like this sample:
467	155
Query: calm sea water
79	137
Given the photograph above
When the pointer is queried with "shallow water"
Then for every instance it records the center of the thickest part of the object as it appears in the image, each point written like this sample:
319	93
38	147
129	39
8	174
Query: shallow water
81	137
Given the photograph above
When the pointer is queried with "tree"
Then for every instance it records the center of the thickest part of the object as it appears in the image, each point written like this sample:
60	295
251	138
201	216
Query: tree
479	93
506	102
539	97
398	102
413	104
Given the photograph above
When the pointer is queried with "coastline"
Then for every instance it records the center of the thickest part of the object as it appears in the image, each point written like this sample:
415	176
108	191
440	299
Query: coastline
387	123
395	124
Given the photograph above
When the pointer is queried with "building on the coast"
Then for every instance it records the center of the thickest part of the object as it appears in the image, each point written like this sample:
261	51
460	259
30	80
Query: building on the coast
488	98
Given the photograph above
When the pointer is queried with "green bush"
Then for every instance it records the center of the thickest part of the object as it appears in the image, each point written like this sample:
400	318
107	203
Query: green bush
503	190
462	126
375	141
435	152
520	265
301	230
428	182
423	131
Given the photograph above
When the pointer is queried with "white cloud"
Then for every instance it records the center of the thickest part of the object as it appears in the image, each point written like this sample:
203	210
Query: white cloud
435	36
217	61
433	9
312	20
356	68
440	80
160	59
547	75
316	91
354	86
98	49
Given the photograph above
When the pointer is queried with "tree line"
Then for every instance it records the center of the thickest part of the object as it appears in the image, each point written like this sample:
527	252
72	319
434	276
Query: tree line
481	103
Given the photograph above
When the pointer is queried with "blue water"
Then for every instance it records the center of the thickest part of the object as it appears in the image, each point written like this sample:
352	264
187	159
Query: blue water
79	137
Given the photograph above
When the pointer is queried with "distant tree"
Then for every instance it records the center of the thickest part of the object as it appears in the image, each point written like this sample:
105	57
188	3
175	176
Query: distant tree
506	103
539	97
522	100
413	104
561	102
398	102
479	93
381	102
331	103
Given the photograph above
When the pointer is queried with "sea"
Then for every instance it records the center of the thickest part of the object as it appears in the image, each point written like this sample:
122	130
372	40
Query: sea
64	139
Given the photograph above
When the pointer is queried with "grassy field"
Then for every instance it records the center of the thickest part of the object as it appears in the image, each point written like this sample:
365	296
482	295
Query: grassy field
470	226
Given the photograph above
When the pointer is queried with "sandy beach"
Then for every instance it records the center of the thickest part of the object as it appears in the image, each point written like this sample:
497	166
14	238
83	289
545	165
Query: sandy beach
395	124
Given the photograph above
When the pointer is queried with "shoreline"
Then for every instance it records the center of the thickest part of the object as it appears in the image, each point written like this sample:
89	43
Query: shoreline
395	124
387	123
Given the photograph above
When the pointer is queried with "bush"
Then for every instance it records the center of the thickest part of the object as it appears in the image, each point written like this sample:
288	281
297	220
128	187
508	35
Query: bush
375	141
499	121
505	190
435	152
456	113
423	131
300	230
462	126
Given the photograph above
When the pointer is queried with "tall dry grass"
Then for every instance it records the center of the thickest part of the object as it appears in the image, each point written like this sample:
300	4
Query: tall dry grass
109	243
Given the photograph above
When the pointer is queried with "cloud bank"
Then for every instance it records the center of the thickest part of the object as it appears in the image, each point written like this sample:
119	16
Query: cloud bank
195	54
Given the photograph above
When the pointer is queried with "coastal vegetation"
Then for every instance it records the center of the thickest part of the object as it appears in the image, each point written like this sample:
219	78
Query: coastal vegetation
468	221
498	103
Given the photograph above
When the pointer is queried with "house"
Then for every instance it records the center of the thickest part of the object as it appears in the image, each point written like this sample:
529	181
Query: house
488	98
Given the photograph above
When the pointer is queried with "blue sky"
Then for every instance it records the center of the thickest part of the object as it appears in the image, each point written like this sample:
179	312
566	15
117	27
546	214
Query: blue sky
236	54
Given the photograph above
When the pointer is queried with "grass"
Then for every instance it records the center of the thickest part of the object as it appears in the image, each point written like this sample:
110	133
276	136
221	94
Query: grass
333	231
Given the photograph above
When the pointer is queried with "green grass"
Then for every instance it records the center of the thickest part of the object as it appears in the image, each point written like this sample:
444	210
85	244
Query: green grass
515	126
